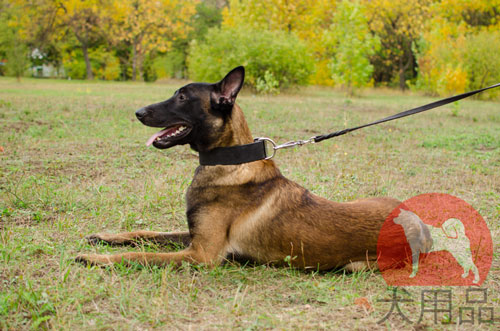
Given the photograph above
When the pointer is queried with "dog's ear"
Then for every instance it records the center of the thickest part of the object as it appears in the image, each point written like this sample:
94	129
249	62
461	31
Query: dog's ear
227	89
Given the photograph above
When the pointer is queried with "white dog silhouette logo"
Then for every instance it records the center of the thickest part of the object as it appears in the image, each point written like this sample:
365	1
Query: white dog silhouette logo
449	237
434	239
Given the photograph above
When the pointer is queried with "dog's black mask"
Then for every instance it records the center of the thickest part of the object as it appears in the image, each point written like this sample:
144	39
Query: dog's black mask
195	114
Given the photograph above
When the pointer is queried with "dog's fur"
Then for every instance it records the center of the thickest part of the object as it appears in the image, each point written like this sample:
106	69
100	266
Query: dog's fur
248	210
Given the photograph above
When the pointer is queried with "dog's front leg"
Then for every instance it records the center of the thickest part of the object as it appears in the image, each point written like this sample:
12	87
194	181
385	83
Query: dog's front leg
206	248
191	255
142	258
136	237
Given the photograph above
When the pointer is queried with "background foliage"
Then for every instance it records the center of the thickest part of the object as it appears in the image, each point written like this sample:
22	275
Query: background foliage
439	46
272	59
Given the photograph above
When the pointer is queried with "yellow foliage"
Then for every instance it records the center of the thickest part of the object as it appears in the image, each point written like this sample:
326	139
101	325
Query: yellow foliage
110	70
452	81
308	19
322	75
151	24
443	61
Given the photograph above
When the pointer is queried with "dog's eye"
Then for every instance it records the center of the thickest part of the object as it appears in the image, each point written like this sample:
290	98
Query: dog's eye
182	97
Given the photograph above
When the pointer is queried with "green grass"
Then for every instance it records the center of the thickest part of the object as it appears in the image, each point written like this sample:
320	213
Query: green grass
74	163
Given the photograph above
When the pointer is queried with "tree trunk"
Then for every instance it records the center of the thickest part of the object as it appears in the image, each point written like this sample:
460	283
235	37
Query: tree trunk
88	66
403	67
134	62
402	80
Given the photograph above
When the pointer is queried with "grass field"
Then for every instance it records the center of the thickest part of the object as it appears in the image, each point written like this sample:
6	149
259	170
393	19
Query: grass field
73	162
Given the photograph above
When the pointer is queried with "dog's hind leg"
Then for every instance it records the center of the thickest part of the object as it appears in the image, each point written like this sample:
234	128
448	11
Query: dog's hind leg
137	237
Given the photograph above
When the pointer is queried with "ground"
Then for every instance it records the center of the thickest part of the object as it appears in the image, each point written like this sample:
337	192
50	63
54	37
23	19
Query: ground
73	162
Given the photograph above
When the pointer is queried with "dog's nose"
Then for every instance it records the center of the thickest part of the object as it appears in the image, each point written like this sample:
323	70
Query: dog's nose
141	113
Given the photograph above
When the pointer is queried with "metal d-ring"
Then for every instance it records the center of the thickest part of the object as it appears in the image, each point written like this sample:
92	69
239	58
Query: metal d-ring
264	139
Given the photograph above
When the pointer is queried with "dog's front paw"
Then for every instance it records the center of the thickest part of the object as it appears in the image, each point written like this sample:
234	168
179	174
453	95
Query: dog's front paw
82	258
105	238
95	239
110	239
93	259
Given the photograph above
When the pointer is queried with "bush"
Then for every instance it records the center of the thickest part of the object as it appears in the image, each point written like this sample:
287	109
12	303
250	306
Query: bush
482	61
272	60
104	64
170	65
74	64
464	63
352	44
17	60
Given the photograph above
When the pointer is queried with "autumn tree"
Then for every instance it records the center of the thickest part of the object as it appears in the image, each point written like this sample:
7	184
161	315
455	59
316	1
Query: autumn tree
88	21
150	25
307	19
352	44
273	59
399	25
12	44
457	47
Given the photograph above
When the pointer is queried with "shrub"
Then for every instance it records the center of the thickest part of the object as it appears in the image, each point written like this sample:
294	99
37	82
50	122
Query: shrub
482	61
459	64
74	64
352	44
273	60
104	64
170	65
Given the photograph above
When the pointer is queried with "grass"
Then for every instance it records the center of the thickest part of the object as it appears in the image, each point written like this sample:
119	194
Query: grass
73	162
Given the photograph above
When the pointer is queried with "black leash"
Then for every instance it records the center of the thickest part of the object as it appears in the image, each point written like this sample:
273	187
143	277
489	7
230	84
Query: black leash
257	150
417	110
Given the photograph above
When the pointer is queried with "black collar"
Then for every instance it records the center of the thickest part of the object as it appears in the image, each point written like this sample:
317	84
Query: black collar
234	154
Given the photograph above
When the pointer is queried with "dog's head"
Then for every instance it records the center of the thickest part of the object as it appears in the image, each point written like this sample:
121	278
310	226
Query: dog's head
196	114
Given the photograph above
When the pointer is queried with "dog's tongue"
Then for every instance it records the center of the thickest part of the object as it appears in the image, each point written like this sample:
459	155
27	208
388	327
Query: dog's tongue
156	135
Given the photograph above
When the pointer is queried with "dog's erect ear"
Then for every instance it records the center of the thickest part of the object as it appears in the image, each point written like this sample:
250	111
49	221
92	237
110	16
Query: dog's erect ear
227	89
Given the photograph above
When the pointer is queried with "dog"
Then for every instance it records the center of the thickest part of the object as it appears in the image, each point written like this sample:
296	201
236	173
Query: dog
247	210
426	239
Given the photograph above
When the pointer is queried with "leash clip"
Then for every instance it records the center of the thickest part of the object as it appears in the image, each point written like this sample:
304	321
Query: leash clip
293	143
288	144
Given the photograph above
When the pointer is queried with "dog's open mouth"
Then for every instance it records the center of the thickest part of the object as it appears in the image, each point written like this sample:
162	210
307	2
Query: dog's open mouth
174	132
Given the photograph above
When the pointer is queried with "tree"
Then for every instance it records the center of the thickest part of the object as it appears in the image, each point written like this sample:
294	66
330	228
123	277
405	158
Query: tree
455	52
398	24
307	19
150	25
12	45
173	63
88	22
272	59
352	45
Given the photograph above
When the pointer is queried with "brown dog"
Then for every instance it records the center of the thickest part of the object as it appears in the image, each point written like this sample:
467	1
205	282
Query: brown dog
248	209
